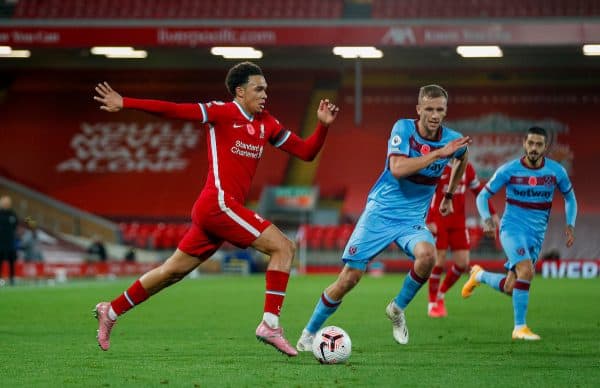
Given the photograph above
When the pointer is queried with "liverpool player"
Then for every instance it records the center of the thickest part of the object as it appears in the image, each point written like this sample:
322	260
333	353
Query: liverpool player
236	133
451	232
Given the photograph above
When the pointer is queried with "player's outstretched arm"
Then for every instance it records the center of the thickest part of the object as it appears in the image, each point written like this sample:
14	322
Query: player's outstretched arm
402	166
450	148
113	102
308	149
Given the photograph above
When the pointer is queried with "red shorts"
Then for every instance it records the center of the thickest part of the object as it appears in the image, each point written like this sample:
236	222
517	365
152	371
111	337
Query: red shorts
452	237
216	220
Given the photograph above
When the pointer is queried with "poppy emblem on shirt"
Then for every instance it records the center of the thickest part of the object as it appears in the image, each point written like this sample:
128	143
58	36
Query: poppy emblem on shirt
250	129
532	181
425	148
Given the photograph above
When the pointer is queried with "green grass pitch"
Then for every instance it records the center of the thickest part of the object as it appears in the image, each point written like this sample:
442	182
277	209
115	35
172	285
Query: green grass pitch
200	333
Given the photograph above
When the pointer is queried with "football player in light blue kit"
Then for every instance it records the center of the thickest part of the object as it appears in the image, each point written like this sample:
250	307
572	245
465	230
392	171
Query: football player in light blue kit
396	208
530	183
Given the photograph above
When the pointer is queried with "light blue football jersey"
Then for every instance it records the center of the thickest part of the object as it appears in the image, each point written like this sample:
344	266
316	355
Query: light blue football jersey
529	194
408	198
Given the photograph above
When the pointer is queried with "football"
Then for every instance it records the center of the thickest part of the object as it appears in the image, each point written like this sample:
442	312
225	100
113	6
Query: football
332	345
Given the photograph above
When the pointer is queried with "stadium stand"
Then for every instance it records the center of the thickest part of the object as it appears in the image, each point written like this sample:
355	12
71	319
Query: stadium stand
178	9
83	189
407	9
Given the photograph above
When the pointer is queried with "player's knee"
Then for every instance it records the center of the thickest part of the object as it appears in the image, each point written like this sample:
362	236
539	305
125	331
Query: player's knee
426	259
287	248
525	271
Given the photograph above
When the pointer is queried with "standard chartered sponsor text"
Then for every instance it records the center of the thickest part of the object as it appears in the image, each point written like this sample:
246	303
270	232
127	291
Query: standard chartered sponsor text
247	150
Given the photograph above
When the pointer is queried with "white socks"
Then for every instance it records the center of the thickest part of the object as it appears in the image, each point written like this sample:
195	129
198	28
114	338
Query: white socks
271	319
111	314
479	275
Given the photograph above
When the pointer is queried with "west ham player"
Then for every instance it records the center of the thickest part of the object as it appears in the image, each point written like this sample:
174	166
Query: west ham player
396	208
530	183
237	132
450	232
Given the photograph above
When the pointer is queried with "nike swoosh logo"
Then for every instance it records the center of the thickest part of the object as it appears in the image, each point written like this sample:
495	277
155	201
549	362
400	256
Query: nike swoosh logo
238	125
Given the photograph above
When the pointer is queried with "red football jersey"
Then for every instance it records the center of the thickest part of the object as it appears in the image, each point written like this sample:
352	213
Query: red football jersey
235	142
457	218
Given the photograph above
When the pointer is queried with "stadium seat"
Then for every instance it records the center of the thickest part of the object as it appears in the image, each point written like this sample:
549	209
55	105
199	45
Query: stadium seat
178	9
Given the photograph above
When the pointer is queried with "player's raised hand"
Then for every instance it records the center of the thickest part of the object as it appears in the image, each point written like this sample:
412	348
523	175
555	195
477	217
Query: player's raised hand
111	101
570	233
450	148
327	112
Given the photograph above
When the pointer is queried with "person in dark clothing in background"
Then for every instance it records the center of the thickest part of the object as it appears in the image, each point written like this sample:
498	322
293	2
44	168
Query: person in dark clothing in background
8	230
96	251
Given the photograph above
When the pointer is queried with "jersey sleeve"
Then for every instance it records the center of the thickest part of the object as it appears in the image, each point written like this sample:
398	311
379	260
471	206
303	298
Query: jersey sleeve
499	179
277	134
398	143
213	111
566	188
562	180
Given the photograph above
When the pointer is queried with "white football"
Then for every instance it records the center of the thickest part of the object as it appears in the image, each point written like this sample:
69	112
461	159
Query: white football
332	345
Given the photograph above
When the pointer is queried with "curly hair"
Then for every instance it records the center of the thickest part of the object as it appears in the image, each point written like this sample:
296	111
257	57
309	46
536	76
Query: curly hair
238	75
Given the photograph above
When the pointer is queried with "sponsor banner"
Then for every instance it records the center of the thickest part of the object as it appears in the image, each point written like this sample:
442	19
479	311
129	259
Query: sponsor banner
540	33
557	269
570	269
77	270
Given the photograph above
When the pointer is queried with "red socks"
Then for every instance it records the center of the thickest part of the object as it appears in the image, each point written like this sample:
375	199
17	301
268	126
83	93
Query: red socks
434	282
275	291
134	295
451	277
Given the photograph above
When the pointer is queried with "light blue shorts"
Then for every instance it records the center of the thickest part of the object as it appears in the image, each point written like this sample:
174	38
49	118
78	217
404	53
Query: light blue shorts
373	233
519	246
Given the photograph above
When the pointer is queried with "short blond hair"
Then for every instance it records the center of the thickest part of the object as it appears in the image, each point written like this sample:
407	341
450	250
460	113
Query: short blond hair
432	91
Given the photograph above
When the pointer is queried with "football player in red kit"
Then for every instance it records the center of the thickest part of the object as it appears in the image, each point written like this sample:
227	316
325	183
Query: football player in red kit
451	232
236	133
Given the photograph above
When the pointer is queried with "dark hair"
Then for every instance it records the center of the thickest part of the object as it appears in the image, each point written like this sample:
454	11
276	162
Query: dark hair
432	91
238	75
538	131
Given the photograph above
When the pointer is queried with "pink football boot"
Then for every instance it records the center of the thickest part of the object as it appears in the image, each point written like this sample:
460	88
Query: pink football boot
275	338
105	324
